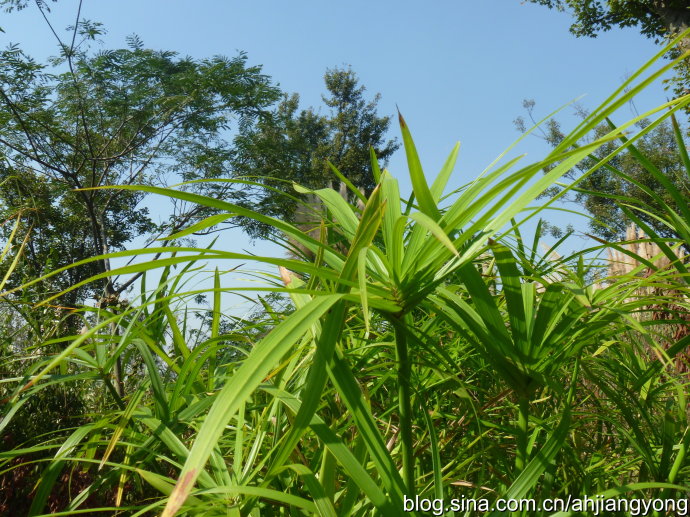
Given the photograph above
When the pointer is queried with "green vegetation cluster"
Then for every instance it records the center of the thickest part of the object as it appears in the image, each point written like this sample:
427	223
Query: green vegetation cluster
421	347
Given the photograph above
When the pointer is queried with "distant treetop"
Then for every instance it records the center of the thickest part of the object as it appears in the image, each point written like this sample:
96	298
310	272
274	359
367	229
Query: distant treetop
656	19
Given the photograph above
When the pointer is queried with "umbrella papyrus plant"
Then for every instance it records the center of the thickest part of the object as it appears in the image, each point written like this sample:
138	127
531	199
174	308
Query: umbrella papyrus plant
398	256
290	421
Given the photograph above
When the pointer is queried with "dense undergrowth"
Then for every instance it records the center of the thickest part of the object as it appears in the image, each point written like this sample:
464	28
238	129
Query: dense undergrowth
423	347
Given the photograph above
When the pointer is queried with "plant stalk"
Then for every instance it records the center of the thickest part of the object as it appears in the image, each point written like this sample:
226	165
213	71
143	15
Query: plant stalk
522	434
404	403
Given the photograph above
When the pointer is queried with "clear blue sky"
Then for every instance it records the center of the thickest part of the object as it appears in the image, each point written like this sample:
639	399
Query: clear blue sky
458	70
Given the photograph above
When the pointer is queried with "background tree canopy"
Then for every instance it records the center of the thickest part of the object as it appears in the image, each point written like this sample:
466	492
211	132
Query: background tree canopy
296	146
117	117
655	18
598	192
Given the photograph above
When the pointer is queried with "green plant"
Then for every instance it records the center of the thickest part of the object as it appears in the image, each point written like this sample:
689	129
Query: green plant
419	351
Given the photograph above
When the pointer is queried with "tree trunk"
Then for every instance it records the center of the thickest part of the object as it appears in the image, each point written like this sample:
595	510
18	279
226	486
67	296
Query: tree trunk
675	19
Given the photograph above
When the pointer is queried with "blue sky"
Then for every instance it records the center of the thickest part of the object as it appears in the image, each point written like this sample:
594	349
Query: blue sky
458	70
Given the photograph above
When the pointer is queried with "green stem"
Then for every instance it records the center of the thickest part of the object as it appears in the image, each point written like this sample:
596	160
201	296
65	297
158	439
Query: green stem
405	404
522	435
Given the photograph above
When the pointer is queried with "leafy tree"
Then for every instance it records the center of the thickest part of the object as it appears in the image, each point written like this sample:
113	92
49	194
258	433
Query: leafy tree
661	149
659	146
656	18
113	117
296	146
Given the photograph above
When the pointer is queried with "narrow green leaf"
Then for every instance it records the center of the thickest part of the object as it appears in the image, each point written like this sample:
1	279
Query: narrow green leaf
375	169
512	291
358	474
419	184
199	226
441	180
265	355
339	208
432	227
435	455
349	184
685	159
529	477
362	279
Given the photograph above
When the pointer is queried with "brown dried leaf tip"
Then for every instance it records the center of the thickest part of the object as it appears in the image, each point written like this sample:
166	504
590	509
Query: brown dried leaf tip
285	276
403	124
